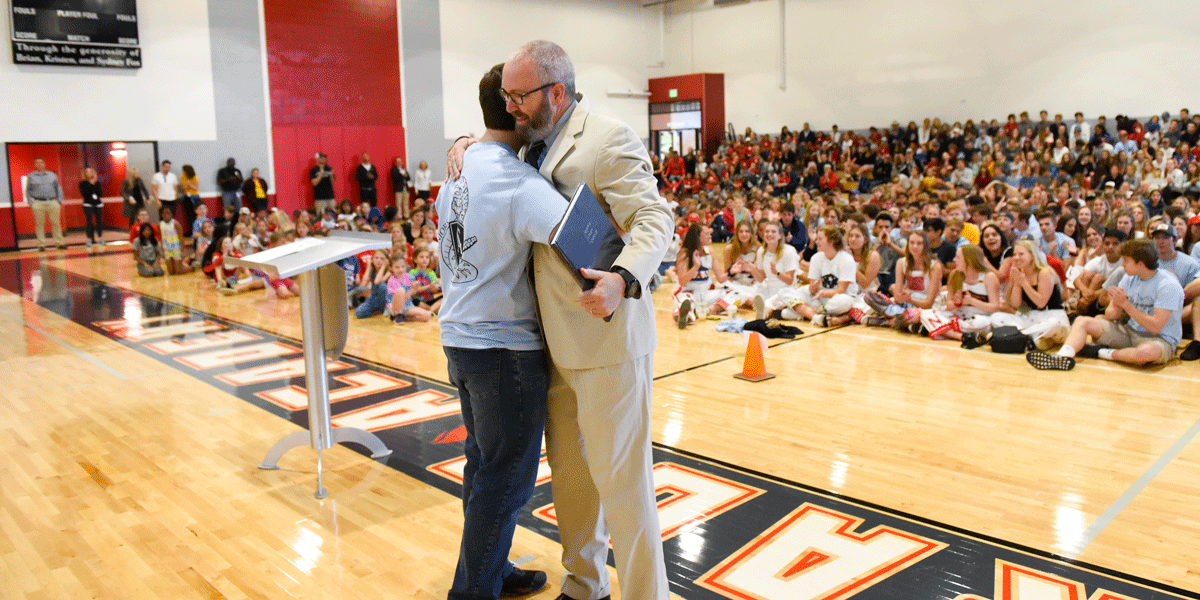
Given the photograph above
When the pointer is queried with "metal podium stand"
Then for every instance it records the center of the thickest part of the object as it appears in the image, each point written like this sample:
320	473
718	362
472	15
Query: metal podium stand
324	315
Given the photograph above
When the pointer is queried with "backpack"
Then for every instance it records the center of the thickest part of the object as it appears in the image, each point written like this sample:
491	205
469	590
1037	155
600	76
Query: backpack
1010	340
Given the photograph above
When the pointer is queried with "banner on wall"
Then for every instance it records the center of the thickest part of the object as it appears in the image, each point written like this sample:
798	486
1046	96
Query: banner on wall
76	33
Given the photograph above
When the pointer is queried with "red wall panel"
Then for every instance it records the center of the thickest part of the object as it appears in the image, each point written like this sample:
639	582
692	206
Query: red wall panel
335	88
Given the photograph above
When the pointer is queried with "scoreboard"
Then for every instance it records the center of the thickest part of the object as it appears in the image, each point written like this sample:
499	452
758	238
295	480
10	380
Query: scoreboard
76	33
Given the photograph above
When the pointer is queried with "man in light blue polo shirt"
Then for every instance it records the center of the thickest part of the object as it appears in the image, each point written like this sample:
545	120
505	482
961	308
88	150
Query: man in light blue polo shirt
45	196
491	217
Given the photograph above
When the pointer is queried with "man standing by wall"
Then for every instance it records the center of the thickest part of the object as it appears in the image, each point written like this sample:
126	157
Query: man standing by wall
166	189
321	178
44	194
230	180
400	180
601	373
366	176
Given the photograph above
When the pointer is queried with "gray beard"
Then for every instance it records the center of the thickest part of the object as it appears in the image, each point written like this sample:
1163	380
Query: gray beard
540	125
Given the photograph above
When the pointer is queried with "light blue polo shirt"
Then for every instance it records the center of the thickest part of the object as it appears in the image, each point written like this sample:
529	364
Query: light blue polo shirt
489	218
1160	291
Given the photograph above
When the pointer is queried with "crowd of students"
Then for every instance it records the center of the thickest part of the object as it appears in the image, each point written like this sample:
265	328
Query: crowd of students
400	283
953	230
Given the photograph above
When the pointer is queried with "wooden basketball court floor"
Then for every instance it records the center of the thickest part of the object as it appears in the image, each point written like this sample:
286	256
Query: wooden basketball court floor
130	474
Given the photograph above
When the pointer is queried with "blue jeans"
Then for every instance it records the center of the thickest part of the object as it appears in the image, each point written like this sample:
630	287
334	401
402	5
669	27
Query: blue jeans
503	397
376	303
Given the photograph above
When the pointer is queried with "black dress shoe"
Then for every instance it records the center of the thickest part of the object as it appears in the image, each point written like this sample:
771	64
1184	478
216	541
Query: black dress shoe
566	597
522	583
1192	352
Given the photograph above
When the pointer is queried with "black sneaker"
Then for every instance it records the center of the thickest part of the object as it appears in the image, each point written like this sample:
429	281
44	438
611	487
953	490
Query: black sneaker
522	583
972	340
1049	362
1089	351
1192	352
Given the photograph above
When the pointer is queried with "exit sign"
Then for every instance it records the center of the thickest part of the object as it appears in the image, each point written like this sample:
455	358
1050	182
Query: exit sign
673	93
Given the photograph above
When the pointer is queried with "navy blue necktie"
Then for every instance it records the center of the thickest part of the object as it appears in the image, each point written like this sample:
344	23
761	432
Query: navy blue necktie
533	156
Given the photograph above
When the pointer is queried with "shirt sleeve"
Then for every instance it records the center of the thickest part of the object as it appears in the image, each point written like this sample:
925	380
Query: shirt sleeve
845	267
1169	296
536	209
790	261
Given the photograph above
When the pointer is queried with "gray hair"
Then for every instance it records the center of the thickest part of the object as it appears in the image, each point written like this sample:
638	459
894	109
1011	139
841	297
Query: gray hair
552	63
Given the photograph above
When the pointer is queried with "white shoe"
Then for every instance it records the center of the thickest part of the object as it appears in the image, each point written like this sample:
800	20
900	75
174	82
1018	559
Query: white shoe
760	307
820	320
788	314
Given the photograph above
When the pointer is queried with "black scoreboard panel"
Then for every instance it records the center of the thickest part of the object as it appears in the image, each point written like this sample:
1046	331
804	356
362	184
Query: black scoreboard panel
92	33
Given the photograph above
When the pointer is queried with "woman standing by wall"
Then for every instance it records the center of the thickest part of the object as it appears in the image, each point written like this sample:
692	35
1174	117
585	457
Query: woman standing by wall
93	206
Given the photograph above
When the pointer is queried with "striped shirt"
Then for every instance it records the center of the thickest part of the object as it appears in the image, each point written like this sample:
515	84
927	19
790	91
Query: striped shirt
43	185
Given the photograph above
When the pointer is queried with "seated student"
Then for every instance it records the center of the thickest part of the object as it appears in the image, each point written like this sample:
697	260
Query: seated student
794	232
889	251
172	243
1153	301
1186	270
346	212
740	255
974	296
426	288
201	219
428	241
371	274
832	279
918	283
284	287
135	230
866	273
1093	297
938	247
202	241
147	252
699	272
1093	247
245	241
373	283
774	272
231	280
400	305
1051	242
953	234
996	248
371	214
329	219
1035	295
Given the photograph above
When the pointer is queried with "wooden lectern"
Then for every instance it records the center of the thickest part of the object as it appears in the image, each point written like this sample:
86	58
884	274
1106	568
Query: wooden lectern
325	319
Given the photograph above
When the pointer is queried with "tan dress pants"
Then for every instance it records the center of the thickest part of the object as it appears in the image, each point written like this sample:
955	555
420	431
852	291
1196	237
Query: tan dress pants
43	209
598	445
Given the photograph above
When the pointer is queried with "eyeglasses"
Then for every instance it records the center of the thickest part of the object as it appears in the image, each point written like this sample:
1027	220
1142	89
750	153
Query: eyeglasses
519	98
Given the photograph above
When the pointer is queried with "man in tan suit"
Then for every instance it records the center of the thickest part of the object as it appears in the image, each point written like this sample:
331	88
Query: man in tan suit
598	430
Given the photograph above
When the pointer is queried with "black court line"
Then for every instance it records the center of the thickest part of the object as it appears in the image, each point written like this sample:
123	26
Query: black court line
728	358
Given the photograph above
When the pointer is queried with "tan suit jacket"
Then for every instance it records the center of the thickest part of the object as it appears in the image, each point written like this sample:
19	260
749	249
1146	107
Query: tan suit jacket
608	156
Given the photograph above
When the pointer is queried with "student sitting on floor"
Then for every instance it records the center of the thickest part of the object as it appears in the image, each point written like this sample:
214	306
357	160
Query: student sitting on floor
285	287
147	252
1036	297
974	295
201	241
135	230
1153	301
426	288
699	272
231	280
1093	298
370	276
832	276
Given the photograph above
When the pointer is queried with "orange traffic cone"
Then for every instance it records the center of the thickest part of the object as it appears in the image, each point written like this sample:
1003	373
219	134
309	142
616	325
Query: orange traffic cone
754	369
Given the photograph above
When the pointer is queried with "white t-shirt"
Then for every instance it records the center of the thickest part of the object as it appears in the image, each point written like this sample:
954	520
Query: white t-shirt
164	187
1101	265
773	263
422	181
833	271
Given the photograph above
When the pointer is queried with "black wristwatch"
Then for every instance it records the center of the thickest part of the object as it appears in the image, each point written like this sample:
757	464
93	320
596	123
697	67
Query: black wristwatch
633	289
